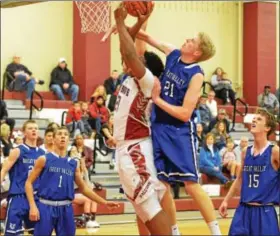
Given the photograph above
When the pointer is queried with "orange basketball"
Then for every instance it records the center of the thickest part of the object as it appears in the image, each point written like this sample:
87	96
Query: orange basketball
133	6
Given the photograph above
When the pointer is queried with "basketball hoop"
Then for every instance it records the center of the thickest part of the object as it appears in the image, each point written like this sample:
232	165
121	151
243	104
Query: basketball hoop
95	16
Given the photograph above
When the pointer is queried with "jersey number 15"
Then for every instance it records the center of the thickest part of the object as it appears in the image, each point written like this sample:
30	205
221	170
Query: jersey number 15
254	181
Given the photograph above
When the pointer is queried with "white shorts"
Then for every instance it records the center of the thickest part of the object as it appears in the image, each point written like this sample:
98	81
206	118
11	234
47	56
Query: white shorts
138	176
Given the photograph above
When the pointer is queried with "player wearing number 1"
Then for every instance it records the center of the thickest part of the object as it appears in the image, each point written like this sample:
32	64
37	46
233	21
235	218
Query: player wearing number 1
57	173
19	164
259	182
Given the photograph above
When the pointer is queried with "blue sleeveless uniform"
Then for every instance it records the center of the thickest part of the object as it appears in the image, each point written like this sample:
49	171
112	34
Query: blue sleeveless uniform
174	141
18	207
260	184
56	192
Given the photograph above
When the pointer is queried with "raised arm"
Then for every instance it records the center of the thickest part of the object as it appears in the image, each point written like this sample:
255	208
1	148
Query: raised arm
184	112
35	173
166	48
275	158
127	48
8	164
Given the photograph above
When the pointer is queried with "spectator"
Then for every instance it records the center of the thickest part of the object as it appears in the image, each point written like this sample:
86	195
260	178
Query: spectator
221	135
200	135
99	91
205	113
4	115
244	141
112	83
48	145
18	141
84	151
230	160
22	76
99	114
269	101
277	94
85	117
74	119
210	160
212	104
222	86
62	82
5	140
221	117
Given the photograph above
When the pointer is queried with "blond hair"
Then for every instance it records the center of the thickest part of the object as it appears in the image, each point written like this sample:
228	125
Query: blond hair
5	131
206	46
97	93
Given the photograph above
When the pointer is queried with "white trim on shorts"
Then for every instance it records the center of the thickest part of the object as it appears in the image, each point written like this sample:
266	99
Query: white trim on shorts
176	173
193	148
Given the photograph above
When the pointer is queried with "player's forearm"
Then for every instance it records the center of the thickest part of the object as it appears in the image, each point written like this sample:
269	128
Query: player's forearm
92	195
30	193
133	31
178	112
235	188
3	174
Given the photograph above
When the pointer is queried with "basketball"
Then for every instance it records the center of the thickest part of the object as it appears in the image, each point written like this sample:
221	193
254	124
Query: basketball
133	6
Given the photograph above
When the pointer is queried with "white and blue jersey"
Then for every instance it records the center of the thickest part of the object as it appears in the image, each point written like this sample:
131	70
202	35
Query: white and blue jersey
18	207
174	141
260	185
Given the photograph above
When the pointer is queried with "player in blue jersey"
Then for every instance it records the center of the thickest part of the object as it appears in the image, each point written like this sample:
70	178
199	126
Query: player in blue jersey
19	164
57	173
259	183
173	129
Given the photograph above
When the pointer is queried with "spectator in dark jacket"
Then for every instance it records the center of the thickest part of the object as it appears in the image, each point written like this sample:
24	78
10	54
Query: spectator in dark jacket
111	84
62	82
4	116
210	162
205	113
220	117
23	80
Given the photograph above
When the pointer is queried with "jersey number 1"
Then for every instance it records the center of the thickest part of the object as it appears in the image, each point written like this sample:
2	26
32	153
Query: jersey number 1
60	181
254	181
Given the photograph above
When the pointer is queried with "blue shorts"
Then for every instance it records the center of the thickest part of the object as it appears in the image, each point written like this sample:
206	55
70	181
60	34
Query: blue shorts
58	218
175	152
255	221
17	214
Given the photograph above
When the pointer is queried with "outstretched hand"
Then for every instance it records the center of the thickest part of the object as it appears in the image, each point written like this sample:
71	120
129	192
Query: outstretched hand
112	205
142	18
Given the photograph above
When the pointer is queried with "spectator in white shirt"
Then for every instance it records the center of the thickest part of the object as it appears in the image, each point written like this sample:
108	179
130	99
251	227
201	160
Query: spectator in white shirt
269	101
212	104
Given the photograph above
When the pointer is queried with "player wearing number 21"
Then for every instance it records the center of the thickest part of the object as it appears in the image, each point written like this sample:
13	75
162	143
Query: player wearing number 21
57	173
19	165
259	182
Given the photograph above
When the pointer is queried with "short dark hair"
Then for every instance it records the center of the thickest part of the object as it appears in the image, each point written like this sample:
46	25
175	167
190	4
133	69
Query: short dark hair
49	130
267	87
61	128
154	63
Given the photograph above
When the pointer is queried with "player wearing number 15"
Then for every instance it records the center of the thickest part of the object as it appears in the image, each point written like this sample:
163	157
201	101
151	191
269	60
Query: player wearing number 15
57	173
19	164
259	182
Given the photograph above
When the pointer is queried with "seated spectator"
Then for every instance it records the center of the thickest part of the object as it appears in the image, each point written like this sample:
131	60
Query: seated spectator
221	135
90	207
112	83
222	86
85	117
99	91
62	82
85	152
4	115
99	114
244	142
5	140
205	113
74	119
222	116
269	101
229	159
23	78
18	140
48	145
200	135
210	160
212	104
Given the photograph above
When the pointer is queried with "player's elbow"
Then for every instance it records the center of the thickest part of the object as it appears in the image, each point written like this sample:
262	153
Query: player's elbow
185	116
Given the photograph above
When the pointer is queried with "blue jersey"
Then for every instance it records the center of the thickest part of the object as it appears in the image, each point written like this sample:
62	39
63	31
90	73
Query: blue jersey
18	174
57	178
175	82
261	183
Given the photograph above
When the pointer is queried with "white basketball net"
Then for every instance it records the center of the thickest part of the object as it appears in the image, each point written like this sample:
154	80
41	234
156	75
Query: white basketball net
95	16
